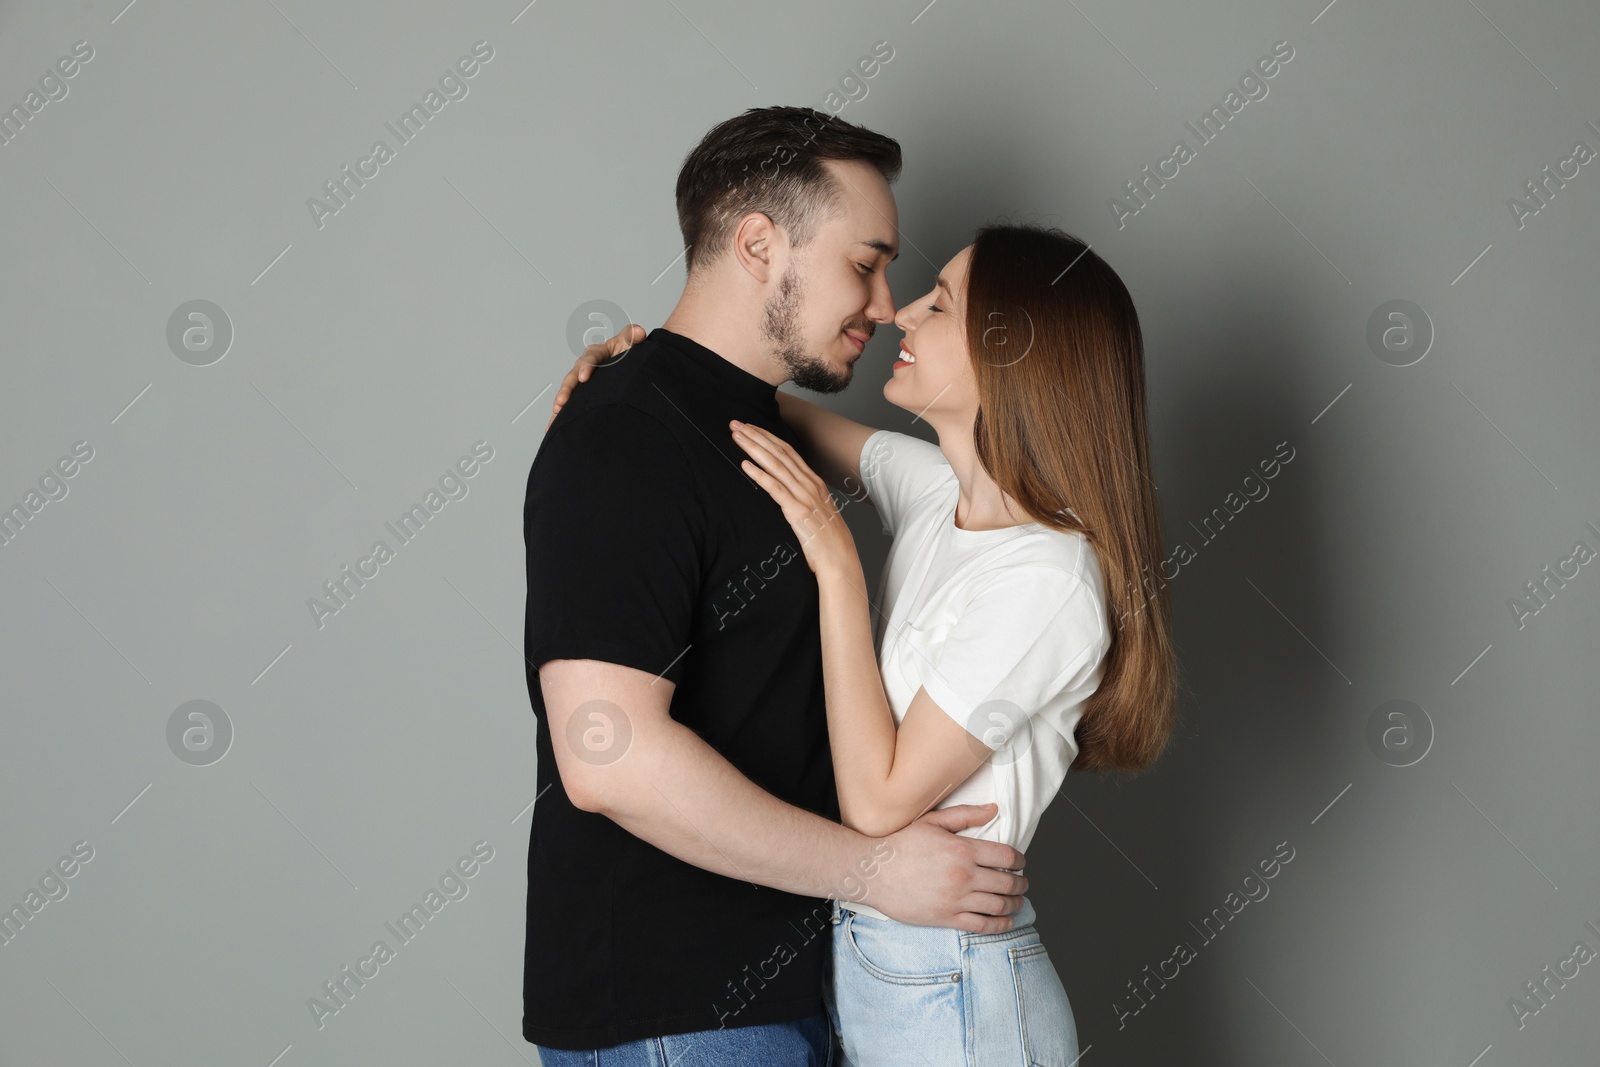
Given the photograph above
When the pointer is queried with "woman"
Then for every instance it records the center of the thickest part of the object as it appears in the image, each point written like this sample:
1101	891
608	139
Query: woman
1017	540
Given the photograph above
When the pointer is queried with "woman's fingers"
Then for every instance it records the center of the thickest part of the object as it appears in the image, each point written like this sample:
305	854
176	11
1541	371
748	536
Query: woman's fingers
763	467
614	345
808	504
782	453
807	519
762	453
781	484
565	392
777	446
594	355
774	486
775	456
806	501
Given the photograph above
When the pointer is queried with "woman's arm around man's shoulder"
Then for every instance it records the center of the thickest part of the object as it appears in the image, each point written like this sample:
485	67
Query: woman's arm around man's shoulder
830	443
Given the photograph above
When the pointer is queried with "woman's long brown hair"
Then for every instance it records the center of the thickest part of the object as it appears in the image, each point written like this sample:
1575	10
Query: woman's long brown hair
1059	362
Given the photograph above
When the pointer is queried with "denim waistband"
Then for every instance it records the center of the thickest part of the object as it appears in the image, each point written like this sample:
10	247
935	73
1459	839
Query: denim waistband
1023	916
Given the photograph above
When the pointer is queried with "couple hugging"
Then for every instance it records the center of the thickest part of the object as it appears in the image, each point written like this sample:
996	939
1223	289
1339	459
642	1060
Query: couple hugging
781	820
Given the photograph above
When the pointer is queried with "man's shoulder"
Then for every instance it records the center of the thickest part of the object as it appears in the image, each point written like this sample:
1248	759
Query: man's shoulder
629	416
626	442
622	395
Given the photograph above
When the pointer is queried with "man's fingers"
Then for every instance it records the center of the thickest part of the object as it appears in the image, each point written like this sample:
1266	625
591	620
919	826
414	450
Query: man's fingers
991	904
995	854
1000	883
961	816
974	923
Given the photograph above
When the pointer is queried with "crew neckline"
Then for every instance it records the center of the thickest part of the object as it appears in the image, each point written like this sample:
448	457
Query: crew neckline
732	377
983	535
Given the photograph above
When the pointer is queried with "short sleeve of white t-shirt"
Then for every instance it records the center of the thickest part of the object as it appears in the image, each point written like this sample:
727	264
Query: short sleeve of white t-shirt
1028	633
1018	614
1006	630
897	469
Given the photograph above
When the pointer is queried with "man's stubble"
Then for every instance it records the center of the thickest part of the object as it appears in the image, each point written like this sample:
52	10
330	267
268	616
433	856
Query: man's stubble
780	325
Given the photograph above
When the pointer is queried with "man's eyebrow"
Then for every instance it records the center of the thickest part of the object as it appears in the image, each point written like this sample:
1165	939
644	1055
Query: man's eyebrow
880	246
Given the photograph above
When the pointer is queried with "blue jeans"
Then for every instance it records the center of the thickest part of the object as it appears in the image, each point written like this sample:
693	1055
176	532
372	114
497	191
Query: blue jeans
932	996
805	1042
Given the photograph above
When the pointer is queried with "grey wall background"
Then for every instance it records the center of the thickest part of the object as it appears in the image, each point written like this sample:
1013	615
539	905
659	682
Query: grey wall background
1436	868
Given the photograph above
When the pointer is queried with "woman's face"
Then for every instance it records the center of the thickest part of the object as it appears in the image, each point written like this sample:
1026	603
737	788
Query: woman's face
938	377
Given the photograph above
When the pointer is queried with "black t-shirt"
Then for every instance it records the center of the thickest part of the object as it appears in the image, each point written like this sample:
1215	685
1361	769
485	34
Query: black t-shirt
647	546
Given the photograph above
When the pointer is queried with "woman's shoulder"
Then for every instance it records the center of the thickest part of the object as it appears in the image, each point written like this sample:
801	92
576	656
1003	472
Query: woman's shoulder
1040	549
902	450
1045	580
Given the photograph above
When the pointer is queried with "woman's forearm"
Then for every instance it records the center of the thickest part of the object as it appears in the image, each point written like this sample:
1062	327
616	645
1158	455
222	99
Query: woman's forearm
861	727
830	443
803	417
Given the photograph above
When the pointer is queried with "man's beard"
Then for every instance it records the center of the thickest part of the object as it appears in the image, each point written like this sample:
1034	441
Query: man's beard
780	325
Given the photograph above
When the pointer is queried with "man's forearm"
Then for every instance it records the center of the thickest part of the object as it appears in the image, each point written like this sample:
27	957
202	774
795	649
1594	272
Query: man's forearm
681	795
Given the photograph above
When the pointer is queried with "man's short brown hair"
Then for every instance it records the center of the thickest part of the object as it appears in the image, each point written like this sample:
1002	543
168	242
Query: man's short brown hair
769	159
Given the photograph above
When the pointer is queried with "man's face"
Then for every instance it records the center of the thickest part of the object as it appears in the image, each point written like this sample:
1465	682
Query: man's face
833	291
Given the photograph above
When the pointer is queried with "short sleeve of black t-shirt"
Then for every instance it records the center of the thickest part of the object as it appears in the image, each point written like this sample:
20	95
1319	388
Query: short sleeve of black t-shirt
614	560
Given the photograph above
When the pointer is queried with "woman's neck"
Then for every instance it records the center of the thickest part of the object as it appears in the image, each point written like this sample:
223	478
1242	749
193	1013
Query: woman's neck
981	505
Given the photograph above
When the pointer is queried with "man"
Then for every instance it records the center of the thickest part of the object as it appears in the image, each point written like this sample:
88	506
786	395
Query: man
686	842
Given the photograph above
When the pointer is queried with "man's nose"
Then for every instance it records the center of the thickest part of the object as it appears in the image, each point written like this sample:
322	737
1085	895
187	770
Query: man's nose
881	308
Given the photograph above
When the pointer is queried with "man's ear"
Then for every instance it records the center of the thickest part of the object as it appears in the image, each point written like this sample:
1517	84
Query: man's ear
756	242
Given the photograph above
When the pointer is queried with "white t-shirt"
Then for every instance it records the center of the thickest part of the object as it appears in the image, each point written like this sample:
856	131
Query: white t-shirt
1006	629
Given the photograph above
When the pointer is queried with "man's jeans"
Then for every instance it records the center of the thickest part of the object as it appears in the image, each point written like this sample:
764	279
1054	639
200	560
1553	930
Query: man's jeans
803	1043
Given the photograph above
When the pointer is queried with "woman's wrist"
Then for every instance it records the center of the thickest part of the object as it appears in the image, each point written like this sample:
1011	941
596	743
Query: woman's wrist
842	574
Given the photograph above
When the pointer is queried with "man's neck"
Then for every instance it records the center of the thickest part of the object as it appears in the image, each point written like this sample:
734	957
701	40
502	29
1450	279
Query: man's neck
732	333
